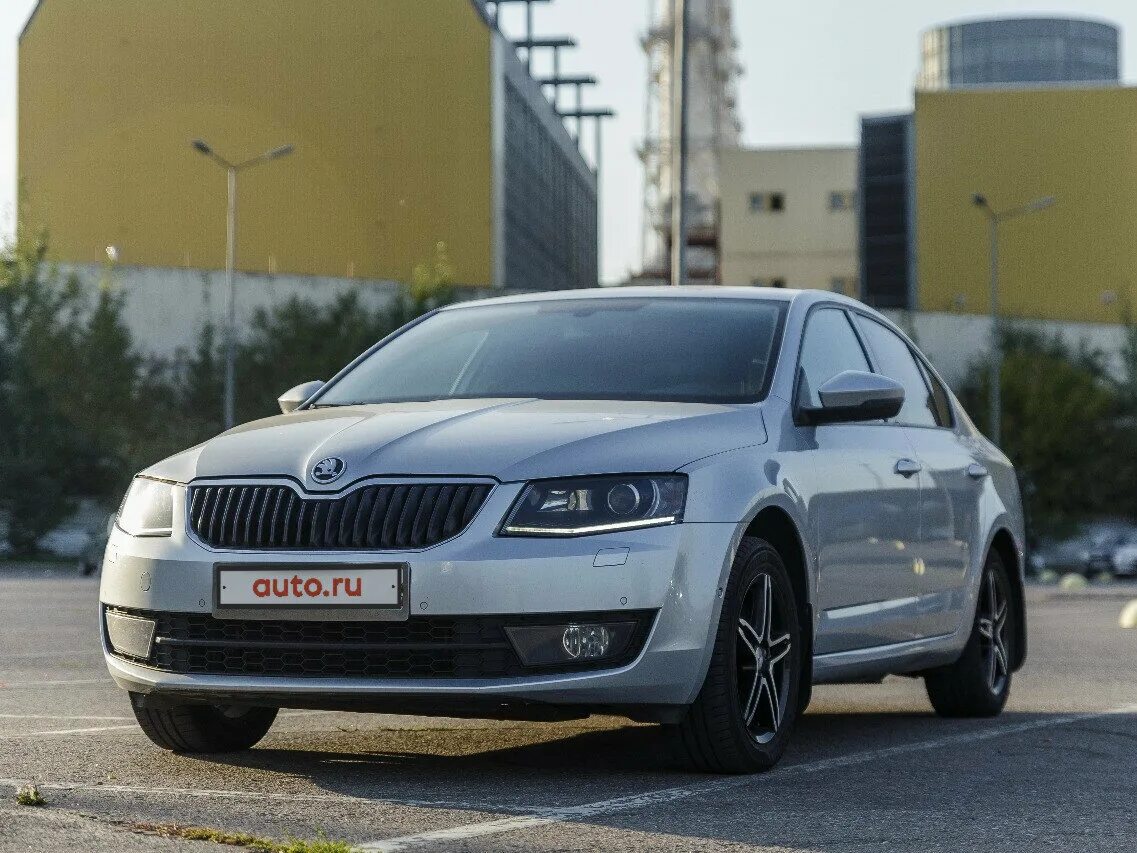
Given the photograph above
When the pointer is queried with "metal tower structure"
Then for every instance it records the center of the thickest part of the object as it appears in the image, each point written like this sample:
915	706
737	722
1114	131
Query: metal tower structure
713	123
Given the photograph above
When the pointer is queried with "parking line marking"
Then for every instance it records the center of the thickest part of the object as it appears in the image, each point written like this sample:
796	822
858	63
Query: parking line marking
59	717
456	805
106	681
66	653
544	817
12	735
305	713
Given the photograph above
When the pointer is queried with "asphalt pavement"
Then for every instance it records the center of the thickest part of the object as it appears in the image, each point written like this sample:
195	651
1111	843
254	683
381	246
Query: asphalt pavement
870	768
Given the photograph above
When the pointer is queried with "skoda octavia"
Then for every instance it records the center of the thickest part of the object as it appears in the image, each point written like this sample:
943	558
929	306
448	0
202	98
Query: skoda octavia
685	506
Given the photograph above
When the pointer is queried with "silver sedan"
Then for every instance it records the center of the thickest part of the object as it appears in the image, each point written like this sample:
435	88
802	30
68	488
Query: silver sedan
684	506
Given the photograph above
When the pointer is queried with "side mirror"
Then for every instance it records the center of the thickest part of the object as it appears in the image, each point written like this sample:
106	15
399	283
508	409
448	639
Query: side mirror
855	396
292	399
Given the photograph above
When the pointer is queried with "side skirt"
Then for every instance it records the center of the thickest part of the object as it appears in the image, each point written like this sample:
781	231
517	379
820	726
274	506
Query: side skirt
895	659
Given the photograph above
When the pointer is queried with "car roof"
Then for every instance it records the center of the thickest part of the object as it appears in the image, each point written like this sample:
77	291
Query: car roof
691	291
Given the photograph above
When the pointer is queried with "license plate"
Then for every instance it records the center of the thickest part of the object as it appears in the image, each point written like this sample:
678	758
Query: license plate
337	586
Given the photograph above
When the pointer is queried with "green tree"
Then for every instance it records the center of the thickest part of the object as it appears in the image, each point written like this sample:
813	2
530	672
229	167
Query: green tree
103	400
76	400
1129	365
298	340
81	410
39	445
1063	427
197	384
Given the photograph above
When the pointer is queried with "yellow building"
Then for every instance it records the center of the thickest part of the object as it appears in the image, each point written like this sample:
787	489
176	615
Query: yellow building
413	123
789	218
1076	261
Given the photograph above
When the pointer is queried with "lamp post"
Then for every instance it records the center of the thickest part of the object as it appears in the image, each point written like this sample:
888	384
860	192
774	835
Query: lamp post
679	62
232	169
996	218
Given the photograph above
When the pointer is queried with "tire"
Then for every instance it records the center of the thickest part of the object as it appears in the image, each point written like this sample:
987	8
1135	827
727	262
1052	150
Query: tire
203	728
978	684
738	724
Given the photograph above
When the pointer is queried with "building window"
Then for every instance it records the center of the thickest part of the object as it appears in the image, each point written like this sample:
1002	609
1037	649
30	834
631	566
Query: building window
776	282
841	202
767	202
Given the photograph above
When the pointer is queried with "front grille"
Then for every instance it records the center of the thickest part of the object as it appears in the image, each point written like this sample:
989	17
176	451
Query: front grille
421	647
381	517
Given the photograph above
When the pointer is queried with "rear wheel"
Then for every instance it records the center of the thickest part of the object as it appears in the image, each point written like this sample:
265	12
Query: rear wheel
203	728
978	684
742	718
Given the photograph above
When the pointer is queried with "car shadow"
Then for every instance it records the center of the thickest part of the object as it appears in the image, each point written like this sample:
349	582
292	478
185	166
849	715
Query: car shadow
528	767
496	764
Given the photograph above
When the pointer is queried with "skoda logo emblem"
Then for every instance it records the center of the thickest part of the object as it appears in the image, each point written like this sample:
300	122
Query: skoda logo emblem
328	470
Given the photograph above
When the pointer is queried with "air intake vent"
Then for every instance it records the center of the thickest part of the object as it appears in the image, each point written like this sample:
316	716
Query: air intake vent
381	518
421	647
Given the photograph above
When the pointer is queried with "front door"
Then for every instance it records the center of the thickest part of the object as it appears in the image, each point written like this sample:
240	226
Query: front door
951	481
864	502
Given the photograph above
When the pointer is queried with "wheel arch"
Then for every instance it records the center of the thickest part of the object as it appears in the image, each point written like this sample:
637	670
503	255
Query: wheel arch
774	524
1003	544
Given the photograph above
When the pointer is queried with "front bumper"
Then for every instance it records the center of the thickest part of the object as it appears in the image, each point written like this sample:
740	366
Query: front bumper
675	572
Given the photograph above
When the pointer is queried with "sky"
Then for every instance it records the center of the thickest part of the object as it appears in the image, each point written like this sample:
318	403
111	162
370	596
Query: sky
812	67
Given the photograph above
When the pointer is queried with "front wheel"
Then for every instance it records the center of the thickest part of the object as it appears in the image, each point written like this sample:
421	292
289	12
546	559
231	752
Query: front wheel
203	728
742	718
978	684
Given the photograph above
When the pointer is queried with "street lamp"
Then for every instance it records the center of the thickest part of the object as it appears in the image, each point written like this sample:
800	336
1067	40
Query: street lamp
231	169
679	127
997	218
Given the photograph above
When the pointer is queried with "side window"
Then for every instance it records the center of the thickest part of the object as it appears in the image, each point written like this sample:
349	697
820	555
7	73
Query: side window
895	360
940	397
830	347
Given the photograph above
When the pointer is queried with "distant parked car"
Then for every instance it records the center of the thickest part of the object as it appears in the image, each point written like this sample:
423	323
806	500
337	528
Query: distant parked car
1061	556
1091	552
1125	557
1105	538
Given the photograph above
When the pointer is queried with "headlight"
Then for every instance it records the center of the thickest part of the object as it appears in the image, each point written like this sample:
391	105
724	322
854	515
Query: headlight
579	507
148	508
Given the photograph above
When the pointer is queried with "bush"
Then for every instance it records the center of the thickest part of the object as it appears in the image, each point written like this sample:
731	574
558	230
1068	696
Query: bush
299	341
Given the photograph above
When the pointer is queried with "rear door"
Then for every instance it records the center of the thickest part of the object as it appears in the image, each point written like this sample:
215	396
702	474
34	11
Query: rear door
864	508
951	483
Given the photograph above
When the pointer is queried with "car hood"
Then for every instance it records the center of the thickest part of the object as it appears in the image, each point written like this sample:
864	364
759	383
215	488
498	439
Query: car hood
509	440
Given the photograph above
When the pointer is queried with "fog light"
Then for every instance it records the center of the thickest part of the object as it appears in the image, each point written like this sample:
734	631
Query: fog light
544	645
585	642
131	636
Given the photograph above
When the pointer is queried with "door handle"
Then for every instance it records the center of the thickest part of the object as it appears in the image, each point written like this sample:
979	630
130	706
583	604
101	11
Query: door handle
908	467
976	471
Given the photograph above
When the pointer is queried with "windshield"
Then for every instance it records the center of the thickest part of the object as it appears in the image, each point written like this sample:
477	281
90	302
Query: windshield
672	349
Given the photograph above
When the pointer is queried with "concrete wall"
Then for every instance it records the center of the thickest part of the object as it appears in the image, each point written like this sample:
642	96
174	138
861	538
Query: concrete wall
166	308
954	341
807	244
